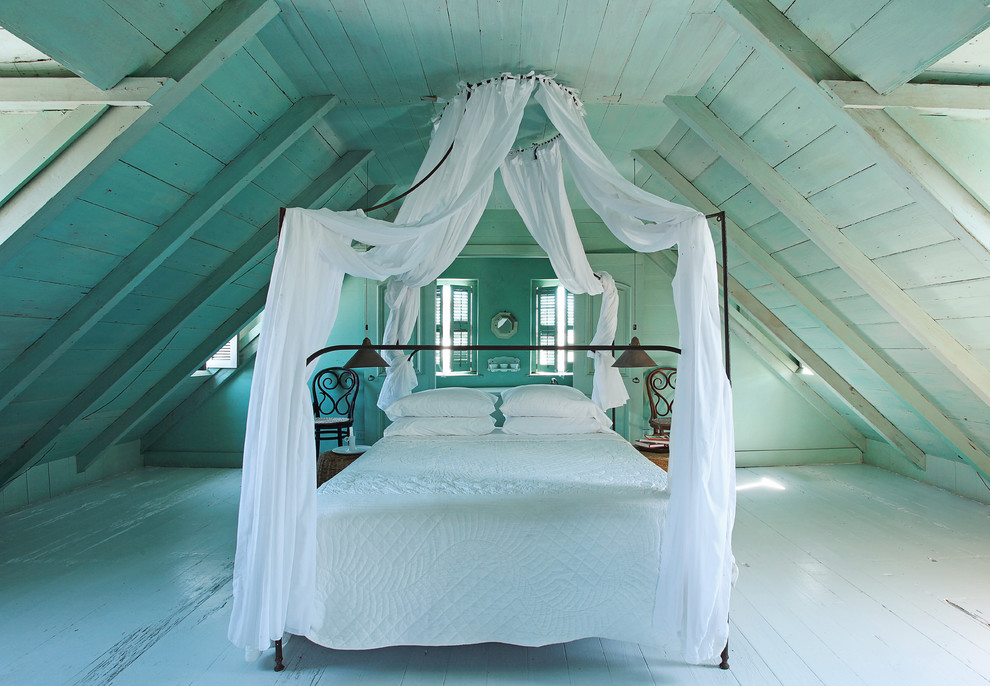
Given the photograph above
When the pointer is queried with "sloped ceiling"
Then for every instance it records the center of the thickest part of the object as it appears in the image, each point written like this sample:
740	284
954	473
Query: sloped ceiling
143	239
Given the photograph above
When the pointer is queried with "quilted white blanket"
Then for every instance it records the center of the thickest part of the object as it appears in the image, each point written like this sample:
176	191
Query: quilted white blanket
527	540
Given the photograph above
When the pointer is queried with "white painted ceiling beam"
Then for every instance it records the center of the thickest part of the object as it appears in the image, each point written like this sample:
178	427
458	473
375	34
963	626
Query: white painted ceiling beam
770	355
775	188
148	256
816	308
935	98
147	402
34	150
186	66
316	195
762	25
57	93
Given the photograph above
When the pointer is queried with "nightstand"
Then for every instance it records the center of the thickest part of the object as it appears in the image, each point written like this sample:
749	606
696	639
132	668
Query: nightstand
330	463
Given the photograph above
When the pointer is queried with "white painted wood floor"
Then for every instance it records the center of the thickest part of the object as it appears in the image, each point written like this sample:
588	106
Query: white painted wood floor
848	575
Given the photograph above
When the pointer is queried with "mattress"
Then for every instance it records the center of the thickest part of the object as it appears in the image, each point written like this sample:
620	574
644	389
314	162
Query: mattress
528	540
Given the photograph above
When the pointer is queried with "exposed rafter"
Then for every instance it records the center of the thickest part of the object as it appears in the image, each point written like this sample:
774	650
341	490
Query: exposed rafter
777	361
147	402
803	352
949	202
147	257
957	359
833	322
933	98
186	66
39	145
43	93
780	363
188	406
317	194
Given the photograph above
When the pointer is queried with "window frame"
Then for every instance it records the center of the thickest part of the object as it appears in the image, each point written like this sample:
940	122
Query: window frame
455	331
547	332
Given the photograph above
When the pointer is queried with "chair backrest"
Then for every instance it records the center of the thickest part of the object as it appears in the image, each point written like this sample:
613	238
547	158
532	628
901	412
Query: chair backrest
660	385
335	392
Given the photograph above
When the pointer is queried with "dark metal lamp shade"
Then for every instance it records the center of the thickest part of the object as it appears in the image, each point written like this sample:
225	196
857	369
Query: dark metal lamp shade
366	356
631	357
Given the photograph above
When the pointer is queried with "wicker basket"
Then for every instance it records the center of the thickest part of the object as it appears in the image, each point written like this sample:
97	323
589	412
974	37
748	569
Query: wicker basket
329	464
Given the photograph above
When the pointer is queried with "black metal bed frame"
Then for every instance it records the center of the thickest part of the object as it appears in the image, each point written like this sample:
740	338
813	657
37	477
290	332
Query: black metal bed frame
413	349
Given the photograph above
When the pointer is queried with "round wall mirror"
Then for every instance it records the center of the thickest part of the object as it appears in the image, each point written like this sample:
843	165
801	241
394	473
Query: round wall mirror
504	324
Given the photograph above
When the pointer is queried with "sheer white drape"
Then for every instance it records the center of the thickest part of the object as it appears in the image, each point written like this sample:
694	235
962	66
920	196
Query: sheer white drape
273	566
696	557
273	573
535	182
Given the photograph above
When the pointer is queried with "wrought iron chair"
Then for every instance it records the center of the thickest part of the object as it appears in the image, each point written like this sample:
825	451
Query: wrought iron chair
335	393
660	385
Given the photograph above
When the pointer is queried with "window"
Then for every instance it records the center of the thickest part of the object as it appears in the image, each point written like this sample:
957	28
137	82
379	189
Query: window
554	325
455	325
225	357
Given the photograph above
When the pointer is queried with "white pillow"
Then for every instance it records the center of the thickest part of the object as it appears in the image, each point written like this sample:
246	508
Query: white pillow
441	426
550	400
443	402
538	426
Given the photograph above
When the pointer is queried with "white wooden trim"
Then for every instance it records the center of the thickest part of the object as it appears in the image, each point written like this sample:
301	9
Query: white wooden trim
761	25
810	456
937	98
57	93
790	341
833	322
36	151
957	359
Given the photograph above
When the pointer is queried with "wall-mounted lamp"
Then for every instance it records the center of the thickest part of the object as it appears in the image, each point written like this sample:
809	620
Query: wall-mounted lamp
366	356
634	356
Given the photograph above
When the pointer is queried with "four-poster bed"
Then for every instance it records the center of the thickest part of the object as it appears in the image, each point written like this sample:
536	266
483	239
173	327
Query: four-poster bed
276	567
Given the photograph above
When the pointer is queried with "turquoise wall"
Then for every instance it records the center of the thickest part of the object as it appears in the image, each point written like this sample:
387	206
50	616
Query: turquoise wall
771	418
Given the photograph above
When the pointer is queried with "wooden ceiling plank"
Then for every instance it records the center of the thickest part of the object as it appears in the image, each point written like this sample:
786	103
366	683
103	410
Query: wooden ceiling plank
147	403
908	164
316	195
781	365
809	358
199	54
157	247
900	384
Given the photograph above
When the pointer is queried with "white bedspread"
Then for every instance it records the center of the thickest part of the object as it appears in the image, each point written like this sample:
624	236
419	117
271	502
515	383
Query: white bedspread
516	539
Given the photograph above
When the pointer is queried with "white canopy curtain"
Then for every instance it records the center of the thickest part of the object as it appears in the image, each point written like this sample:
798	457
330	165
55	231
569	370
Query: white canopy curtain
273	573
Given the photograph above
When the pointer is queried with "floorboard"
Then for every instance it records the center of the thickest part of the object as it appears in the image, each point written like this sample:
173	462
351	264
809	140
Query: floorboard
848	575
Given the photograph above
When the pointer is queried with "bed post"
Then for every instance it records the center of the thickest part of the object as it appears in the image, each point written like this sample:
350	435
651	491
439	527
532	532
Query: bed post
724	664
279	665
